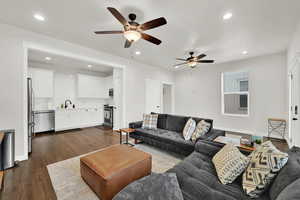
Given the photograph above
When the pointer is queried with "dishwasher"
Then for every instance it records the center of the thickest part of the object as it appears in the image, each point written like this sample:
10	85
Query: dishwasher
44	121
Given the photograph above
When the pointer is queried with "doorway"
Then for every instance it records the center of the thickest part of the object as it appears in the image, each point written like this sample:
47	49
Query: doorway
68	68
167	98
159	96
294	94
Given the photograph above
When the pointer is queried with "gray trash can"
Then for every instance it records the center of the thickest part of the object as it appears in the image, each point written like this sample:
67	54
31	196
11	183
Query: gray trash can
7	158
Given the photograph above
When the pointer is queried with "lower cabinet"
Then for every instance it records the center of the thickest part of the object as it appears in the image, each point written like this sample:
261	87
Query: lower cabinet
77	118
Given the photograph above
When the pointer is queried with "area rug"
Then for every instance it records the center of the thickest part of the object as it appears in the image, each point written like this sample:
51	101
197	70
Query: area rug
68	184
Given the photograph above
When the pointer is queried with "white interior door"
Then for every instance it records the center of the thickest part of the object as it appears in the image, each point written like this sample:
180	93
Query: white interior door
294	90
153	96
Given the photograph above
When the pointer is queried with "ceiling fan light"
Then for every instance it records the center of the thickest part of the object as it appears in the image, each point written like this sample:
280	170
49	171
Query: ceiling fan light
192	64
132	36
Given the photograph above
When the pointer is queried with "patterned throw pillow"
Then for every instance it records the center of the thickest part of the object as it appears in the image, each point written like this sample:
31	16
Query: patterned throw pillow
201	129
264	165
229	163
189	129
150	121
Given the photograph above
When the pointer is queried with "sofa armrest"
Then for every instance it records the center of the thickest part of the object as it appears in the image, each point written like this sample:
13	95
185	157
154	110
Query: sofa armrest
136	124
208	148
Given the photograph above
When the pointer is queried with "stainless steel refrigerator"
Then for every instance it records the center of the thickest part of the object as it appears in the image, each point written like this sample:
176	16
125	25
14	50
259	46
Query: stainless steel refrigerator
30	99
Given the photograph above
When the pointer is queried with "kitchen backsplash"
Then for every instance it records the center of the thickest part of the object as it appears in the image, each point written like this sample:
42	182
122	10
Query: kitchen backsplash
46	103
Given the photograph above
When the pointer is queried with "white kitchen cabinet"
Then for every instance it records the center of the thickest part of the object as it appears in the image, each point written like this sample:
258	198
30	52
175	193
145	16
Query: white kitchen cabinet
42	82
91	87
108	85
66	119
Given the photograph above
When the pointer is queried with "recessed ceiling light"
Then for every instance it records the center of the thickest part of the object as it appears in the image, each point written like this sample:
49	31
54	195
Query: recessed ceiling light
245	52
39	17
89	66
227	16
138	53
48	58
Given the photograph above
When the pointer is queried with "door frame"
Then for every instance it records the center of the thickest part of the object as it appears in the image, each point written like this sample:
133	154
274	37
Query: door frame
161	83
172	95
295	64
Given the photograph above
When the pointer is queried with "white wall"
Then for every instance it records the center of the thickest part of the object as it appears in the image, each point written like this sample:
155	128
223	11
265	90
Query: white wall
198	93
294	48
13	83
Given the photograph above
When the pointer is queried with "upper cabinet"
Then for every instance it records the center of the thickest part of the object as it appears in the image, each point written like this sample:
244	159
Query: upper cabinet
92	87
42	82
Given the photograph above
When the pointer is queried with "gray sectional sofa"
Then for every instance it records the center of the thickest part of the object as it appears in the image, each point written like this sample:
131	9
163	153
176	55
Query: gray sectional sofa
198	180
168	135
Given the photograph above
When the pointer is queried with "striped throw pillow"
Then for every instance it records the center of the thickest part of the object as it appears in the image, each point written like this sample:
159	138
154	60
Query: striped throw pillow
150	121
189	129
201	129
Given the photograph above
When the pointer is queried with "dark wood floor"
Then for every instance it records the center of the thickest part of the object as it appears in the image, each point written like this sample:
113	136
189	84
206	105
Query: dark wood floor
30	180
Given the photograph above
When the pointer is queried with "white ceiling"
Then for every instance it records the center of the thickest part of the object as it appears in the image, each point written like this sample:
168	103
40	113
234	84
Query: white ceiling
258	26
61	63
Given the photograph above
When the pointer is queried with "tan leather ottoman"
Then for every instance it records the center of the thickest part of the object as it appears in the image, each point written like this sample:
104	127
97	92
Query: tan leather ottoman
108	171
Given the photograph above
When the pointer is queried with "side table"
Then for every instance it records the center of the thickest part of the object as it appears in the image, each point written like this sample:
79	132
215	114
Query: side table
127	131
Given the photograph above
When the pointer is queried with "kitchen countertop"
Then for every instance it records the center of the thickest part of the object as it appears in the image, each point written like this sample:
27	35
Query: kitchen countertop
43	111
77	109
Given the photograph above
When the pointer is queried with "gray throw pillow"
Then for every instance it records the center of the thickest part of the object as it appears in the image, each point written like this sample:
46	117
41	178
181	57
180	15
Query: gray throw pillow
154	187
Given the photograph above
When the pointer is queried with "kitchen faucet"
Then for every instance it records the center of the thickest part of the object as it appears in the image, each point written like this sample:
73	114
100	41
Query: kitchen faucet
68	101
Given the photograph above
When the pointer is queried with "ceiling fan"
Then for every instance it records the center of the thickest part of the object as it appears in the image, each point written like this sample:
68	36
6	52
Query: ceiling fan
192	61
134	31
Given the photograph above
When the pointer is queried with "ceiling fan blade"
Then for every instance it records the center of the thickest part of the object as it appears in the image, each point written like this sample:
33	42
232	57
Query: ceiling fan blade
118	15
108	32
201	56
151	39
181	64
153	24
127	44
181	59
205	61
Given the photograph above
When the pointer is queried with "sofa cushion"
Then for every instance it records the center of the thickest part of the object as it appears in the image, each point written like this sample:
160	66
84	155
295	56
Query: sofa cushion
291	192
189	129
150	121
155	186
176	123
229	163
289	173
162	120
201	129
198	180
265	163
166	136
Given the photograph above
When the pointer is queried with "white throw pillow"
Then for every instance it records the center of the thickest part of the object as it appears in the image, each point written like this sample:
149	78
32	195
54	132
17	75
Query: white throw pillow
229	163
150	121
189	129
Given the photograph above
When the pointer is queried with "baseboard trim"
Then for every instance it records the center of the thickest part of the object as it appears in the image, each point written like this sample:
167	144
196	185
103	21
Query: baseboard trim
257	133
21	158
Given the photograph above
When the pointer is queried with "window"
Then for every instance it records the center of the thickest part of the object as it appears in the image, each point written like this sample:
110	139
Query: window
235	93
